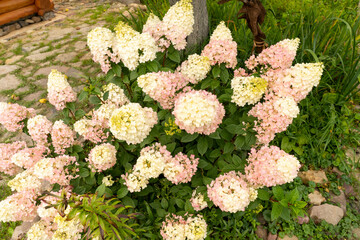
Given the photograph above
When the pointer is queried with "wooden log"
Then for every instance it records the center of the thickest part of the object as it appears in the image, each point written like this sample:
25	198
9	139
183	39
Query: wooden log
44	6
17	14
11	5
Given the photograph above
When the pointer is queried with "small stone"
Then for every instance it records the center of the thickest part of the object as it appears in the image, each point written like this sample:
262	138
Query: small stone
271	236
17	26
9	82
36	19
20	231
23	23
66	57
34	96
22	90
314	176
74	73
330	213
356	233
80	45
341	199
141	6
49	15
349	190
47	70
316	198
40	56
13	59
41	50
10	28
29	21
286	237
261	232
337	171
303	220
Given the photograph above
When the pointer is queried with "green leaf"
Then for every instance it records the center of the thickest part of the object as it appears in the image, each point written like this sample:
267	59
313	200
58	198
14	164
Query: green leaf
117	70
204	164
235	128
180	203
276	211
207	180
84	172
164	203
148	99
215	84
285	214
71	106
215	153
77	148
300	204
224	75
263	194
189	137
239	142
278	193
94	100
83	95
293	195
100	190
106	95
79	114
171	147
228	148
152	66
122	192
109	75
133	75
286	145
216	71
202	145
215	135
174	56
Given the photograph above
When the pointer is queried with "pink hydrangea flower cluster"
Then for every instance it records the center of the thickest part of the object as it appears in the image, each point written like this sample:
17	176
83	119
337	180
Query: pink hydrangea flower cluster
280	55
102	157
18	207
271	166
62	137
6	152
274	116
231	192
91	129
181	168
54	169
198	111
28	157
39	128
12	115
221	48
163	86
176	227
197	201
59	90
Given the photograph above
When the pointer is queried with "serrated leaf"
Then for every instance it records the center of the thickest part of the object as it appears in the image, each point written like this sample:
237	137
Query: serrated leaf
106	96
300	204
276	211
239	142
100	190
216	71
164	203
117	70
263	194
84	172
180	203
79	114
286	145
285	214
278	192
152	66
228	148
94	100
206	180
202	145
189	137
122	192
133	75
174	56
215	153
83	95
224	75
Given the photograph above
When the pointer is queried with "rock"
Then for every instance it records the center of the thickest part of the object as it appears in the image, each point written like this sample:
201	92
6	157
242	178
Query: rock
341	199
337	171
80	45
303	220
356	233
29	21
40	56
316	198
10	28
74	73
17	26
261	232
286	237
349	190
23	23
271	236
46	70
36	96
22	90
20	231
135	5
41	50
330	213
66	57
314	176
9	82
127	2
13	59
49	15
58	33
36	19
41	83
28	47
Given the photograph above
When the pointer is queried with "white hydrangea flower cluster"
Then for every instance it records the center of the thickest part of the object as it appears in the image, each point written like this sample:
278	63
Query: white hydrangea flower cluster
196	68
221	32
67	229
287	167
196	228
25	181
116	95
290	44
197	201
287	106
247	90
131	47
107	181
39	127
134	181
39	231
100	41
102	114
102	157
150	164
132	123
81	126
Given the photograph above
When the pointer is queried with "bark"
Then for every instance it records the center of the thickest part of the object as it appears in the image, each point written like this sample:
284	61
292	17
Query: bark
201	25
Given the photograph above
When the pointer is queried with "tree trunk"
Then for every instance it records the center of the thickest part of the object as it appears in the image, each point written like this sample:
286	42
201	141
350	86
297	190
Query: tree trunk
201	26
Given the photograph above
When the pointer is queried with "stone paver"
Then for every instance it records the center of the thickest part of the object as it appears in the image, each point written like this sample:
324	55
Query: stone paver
47	70
9	82
41	56
66	57
5	69
36	96
13	59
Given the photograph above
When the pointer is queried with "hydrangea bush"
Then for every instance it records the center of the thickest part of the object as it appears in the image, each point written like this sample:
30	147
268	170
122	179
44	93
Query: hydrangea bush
180	139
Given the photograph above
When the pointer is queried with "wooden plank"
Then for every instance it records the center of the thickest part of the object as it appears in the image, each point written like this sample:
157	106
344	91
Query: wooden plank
11	5
44	6
17	14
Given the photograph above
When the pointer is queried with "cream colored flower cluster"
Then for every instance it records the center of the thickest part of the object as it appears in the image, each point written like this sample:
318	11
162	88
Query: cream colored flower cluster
59	90
116	95
108	181
286	165
287	106
196	68
67	229
197	201
247	90
222	32
102	157
132	123
134	181
100	41
39	231
25	181
177	228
